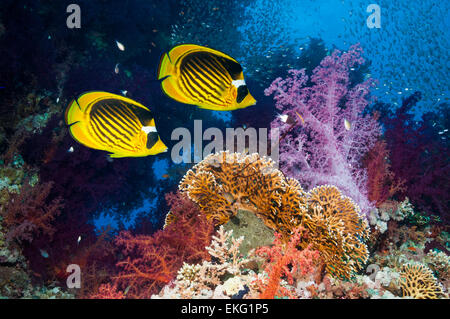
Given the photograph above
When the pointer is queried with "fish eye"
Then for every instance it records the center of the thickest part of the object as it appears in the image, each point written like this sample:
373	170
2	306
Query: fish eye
242	92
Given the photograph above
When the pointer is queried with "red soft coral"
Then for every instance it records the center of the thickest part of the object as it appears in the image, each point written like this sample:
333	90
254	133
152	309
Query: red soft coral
285	260
381	182
31	213
150	262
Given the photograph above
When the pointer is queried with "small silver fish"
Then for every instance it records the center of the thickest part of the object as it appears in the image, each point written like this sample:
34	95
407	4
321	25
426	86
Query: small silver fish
347	125
124	92
43	253
70	150
120	46
116	68
283	117
79	239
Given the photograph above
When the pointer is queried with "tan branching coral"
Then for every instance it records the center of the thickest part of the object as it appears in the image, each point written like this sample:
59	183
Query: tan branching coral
417	281
336	229
224	183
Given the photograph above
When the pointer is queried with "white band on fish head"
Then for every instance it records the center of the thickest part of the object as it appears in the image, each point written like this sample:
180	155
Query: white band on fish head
148	129
238	83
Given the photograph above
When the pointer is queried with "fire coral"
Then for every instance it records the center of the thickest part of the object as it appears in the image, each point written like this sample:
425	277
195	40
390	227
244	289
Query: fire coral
321	148
334	222
223	183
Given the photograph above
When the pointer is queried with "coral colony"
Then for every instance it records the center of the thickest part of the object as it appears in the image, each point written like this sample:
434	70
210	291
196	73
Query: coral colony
319	191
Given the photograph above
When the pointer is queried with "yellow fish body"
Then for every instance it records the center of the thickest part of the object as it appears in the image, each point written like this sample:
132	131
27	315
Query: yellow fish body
113	123
208	78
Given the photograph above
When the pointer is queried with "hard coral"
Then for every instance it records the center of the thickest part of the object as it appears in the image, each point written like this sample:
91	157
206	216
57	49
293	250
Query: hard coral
319	148
224	183
418	282
208	278
336	229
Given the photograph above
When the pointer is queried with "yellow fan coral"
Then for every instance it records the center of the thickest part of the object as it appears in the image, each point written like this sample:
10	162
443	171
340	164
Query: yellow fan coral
417	281
224	183
336	229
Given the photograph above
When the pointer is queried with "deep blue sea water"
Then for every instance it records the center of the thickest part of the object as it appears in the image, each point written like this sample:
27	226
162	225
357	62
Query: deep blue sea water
406	52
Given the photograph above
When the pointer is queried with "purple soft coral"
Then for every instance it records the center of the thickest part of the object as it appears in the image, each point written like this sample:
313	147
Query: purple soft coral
320	149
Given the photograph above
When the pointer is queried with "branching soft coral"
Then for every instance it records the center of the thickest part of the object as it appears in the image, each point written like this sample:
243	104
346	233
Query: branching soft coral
31	212
283	260
381	182
320	149
419	154
150	262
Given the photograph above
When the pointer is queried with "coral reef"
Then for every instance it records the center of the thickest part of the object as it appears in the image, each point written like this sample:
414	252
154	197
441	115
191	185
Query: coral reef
150	261
224	183
285	261
337	230
320	148
357	208
222	277
31	212
418	282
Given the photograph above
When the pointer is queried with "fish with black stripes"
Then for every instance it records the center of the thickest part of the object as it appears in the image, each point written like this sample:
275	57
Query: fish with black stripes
113	123
205	77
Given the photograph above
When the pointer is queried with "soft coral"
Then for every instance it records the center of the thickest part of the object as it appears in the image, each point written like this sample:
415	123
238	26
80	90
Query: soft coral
151	261
31	212
319	149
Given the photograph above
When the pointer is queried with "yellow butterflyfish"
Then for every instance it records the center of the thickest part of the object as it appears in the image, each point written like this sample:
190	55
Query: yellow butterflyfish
205	77
113	123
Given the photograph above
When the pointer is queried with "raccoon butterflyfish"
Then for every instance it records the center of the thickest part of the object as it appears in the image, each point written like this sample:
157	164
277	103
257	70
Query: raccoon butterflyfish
113	123
208	78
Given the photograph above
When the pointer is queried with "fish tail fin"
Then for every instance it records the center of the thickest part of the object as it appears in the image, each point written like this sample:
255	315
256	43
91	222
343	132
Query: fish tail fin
76	120
73	112
165	67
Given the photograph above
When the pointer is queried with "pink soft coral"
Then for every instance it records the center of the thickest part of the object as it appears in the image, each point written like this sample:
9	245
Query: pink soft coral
318	149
